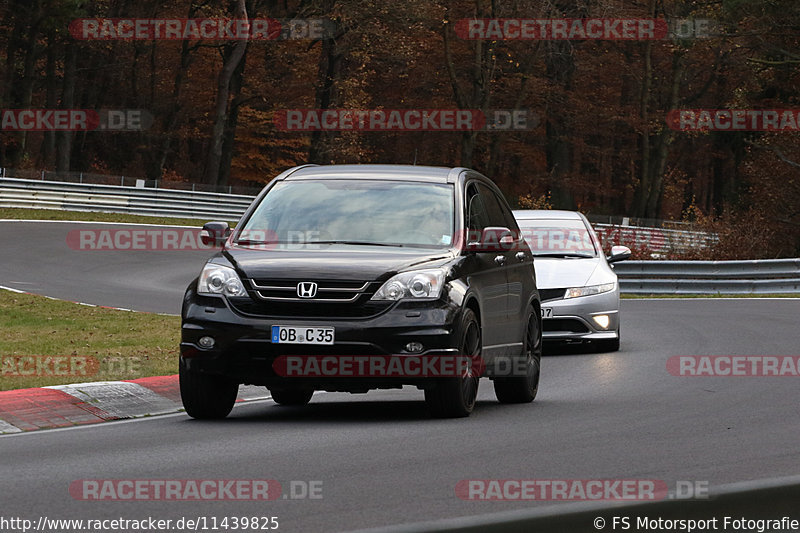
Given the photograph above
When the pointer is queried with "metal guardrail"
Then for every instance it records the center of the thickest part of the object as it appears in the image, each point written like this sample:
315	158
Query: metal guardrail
91	178
613	220
69	191
636	277
773	499
657	241
36	194
769	276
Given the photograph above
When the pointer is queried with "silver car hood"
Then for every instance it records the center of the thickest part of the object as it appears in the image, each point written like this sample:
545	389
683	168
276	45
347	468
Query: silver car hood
557	273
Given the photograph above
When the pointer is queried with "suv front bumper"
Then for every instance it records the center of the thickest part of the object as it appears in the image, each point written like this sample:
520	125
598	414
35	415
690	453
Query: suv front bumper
243	348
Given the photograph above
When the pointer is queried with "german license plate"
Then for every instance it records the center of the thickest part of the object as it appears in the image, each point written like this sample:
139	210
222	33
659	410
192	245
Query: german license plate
302	335
547	312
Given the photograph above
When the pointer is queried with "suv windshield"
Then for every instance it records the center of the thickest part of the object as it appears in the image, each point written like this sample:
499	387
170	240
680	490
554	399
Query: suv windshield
354	212
558	238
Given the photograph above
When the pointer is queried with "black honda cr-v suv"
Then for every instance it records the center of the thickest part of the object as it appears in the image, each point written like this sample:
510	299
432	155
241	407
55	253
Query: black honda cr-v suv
357	277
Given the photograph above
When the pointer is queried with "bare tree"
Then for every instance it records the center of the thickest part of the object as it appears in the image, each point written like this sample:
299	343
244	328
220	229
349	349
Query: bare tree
231	58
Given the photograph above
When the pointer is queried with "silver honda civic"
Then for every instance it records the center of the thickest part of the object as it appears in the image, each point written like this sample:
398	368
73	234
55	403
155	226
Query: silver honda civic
578	287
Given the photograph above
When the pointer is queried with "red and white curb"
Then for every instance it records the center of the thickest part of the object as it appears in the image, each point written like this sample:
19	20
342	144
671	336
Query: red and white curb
62	406
91	403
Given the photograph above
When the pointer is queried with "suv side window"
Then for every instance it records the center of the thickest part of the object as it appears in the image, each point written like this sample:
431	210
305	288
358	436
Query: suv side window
494	208
477	218
511	222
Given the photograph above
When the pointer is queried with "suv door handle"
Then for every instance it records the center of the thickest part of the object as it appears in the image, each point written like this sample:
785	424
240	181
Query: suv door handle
520	256
500	260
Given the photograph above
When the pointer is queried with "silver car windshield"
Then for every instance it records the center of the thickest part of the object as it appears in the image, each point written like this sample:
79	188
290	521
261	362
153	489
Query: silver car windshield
354	212
558	238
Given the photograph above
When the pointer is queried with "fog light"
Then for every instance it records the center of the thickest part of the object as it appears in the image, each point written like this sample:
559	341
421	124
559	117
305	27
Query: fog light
602	320
414	347
206	342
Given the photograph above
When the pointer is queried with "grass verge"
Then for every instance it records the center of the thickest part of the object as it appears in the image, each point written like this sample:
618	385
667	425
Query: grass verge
117	344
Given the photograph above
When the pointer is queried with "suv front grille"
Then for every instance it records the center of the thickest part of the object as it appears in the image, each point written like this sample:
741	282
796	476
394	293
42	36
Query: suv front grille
334	299
329	291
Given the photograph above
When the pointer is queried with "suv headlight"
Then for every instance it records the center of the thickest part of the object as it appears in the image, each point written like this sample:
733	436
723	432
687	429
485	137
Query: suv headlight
219	279
417	284
590	290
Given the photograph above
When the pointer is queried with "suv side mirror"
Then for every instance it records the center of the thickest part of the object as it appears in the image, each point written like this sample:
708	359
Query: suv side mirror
492	239
215	233
619	253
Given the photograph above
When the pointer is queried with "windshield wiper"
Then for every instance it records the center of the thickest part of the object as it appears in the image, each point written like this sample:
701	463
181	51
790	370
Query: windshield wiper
357	243
565	255
249	242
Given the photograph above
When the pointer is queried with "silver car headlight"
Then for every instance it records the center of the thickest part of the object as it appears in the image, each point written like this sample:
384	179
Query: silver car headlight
590	290
220	279
417	284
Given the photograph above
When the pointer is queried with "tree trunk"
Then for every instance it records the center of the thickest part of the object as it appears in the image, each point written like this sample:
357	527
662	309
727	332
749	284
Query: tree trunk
64	138
642	194
329	73
163	142
28	76
230	127
560	67
51	97
231	61
663	142
477	94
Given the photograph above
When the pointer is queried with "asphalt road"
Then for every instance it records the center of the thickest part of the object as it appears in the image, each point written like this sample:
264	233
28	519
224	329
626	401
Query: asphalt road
380	458
37	258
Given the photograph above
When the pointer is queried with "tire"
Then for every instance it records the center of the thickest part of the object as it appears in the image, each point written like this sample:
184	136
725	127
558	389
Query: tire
455	397
523	389
291	396
206	396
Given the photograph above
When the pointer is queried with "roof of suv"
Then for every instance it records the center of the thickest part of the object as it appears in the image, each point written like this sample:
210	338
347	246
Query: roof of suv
389	172
546	214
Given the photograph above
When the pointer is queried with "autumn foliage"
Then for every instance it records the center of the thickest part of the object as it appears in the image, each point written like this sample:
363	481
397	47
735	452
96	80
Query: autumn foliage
601	143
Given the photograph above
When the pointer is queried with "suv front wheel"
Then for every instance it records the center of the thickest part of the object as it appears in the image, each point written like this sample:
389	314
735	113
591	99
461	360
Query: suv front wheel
523	389
206	396
455	397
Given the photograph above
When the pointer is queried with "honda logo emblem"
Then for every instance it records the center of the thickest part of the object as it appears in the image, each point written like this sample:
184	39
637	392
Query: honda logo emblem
307	289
